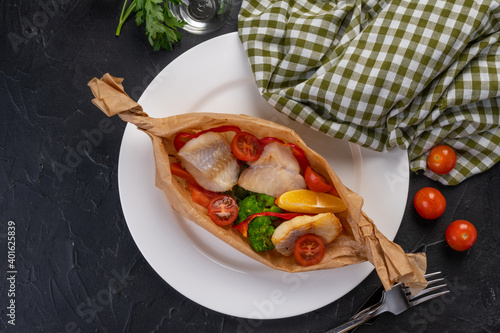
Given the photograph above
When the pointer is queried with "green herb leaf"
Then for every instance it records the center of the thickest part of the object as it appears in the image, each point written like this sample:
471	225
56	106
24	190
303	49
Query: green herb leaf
160	25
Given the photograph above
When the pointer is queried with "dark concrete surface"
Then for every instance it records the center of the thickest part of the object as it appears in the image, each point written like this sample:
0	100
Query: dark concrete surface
77	268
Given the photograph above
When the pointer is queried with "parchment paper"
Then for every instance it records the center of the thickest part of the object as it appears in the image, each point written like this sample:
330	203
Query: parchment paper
360	241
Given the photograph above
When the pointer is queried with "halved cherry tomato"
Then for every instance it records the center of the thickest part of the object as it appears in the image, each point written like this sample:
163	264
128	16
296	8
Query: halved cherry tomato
334	192
246	147
461	235
429	203
179	171
223	210
309	250
442	159
315	181
200	195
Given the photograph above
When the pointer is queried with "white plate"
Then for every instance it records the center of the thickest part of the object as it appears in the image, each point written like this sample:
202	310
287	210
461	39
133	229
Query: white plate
215	77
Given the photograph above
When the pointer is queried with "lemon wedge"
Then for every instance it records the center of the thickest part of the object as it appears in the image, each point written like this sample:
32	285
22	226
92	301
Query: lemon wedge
310	202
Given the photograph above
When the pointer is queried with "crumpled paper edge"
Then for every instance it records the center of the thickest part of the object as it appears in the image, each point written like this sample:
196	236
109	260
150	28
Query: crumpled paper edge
362	240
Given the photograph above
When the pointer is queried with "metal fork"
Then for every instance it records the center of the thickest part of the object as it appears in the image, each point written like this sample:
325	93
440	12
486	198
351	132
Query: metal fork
395	301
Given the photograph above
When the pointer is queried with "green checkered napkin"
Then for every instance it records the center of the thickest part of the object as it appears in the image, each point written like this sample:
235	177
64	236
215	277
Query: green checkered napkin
384	74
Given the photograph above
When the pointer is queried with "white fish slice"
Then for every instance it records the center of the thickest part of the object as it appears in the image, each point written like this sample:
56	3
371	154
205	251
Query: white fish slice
270	180
325	225
209	160
274	173
277	155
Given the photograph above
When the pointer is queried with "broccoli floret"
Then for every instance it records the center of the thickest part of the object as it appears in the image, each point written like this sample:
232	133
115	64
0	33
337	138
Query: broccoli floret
266	200
260	232
248	206
260	229
256	203
269	206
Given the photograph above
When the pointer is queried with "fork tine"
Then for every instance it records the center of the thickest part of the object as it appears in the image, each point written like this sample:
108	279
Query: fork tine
434	281
428	275
427	298
423	291
426	291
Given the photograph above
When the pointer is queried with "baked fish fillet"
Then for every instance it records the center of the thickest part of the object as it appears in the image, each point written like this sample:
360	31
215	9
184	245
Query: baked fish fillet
209	160
274	173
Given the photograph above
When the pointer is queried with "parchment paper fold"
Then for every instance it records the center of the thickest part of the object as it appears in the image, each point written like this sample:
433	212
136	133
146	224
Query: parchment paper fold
361	240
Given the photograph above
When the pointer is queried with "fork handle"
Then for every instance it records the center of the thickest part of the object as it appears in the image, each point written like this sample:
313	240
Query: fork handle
370	309
352	323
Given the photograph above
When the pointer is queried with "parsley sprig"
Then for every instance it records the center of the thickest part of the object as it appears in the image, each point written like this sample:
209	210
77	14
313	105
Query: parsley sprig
161	26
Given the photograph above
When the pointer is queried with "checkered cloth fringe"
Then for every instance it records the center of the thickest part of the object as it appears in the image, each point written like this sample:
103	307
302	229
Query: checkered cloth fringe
404	73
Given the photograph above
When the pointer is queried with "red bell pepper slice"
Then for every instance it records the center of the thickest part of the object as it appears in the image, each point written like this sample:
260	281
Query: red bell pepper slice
243	226
183	137
200	195
269	139
300	156
179	171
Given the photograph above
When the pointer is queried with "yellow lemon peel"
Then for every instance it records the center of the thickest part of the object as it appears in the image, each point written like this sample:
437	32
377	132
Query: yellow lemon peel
310	202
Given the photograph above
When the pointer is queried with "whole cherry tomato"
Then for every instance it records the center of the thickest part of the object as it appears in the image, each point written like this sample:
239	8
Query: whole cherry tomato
442	159
429	203
461	235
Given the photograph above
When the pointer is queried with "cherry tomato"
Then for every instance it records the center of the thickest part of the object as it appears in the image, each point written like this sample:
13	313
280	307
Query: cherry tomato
429	203
334	192
246	147
315	181
461	235
223	210
309	250
442	159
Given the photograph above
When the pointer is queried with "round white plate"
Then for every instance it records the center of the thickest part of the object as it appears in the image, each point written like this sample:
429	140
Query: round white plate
215	77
